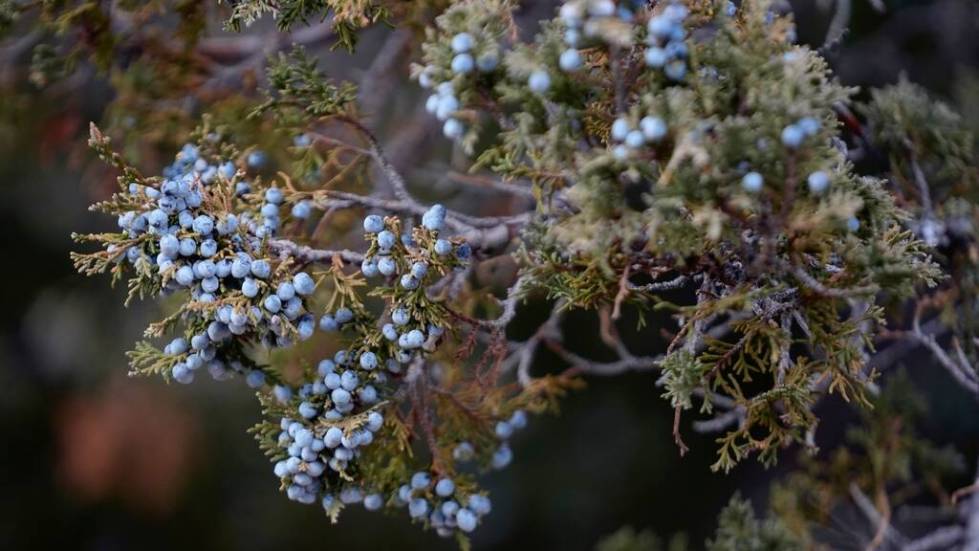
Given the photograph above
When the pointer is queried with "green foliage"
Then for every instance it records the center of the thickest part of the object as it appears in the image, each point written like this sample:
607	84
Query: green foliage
779	292
739	530
8	14
299	93
347	17
781	267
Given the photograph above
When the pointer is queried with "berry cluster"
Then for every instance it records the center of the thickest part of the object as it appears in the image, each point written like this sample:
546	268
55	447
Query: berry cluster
332	421
177	233
667	49
583	21
468	56
651	130
442	504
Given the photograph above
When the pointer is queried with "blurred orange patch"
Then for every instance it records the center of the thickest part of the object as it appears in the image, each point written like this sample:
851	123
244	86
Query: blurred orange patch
131	441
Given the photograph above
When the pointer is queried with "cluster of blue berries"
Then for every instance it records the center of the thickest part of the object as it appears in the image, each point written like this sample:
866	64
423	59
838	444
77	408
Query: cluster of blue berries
651	130
442	504
444	103
795	134
582	20
317	455
219	258
335	417
667	49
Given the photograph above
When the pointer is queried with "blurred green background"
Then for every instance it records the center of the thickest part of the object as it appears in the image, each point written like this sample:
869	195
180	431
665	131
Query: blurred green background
92	459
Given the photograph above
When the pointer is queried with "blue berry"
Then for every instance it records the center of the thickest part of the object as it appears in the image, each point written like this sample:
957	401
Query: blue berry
386	240
453	129
209	248
434	218
373	224
466	520
462	42
502	457
443	247
519	419
255	378
620	129
412	339
463	64
601	8
479	504
570	60
203	224
369	267
344	315
169	246
400	316
571	14
272	303
302	209
675	70
325	367
418	507
282	393
176	347
635	139
210	284
184	276
572	37
809	125
752	182
656	57
249	288
368	360
818	182
445	487
409	282
419	270
420	480
389	332
792	136
387	266
447	105
187	246
241	267
273	195
307	410
349	381
328	323
373	502
285	291
269	210
375	421
539	82
340	397
660	27
182	374
261	269
303	283
653	129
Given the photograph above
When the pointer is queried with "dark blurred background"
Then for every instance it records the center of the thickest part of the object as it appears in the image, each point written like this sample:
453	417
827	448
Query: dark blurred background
92	459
